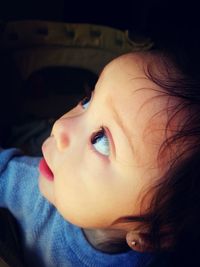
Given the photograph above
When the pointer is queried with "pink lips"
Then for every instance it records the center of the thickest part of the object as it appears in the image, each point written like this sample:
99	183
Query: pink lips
45	170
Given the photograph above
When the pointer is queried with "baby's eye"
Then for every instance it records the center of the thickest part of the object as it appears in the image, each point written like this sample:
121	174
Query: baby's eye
86	101
100	142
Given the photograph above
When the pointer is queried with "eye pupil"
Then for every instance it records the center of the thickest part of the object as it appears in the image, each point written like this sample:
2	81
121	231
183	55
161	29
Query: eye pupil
85	100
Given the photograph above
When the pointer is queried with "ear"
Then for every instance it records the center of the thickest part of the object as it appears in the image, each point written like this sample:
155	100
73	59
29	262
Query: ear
135	242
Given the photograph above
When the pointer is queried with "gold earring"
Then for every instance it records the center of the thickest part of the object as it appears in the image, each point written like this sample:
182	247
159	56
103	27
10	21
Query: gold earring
133	243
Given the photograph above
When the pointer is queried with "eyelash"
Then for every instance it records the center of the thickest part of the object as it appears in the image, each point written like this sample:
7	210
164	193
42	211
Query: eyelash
87	98
100	142
84	101
98	136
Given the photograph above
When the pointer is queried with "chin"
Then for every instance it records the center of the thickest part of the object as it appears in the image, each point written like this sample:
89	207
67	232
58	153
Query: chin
46	189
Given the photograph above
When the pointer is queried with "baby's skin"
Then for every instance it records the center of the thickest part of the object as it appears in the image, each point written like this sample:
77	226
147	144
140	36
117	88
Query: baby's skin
102	155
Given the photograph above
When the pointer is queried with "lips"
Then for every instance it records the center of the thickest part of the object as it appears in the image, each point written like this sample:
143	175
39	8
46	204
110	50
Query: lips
45	170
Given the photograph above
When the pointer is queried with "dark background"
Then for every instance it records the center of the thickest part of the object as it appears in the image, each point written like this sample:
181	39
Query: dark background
171	24
150	17
117	14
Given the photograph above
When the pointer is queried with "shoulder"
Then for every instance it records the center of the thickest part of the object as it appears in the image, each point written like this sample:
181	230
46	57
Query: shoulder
18	178
5	157
14	158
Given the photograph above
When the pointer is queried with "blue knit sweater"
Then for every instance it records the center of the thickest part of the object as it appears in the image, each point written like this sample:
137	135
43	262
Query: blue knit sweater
47	239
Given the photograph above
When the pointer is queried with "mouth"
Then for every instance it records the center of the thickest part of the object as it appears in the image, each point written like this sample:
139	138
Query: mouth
45	170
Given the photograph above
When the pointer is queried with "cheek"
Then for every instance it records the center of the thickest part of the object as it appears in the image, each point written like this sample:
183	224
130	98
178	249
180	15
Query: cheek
133	182
83	195
90	193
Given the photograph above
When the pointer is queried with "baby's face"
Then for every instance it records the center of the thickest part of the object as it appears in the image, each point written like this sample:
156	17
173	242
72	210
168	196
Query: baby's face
103	153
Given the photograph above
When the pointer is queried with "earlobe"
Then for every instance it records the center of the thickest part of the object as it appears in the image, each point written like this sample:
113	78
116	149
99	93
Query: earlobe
135	242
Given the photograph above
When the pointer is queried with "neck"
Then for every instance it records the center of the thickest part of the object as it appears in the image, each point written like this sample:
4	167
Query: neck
108	241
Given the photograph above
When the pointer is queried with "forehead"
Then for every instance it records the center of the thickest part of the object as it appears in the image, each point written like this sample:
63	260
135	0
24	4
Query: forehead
124	83
126	76
139	102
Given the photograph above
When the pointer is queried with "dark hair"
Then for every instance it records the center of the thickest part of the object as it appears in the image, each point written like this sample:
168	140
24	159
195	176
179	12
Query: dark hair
172	222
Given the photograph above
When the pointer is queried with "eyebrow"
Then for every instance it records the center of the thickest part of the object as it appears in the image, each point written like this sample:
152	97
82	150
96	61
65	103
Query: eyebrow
120	123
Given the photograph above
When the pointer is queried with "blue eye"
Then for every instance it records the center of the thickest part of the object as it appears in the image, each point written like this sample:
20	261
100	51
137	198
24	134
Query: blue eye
85	102
100	142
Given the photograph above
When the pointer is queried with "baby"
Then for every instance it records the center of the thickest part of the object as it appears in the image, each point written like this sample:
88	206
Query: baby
102	198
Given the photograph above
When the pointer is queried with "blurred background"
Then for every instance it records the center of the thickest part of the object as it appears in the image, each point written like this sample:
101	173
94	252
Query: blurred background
111	13
141	16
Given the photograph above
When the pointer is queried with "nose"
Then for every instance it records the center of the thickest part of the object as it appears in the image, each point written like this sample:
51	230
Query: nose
60	132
